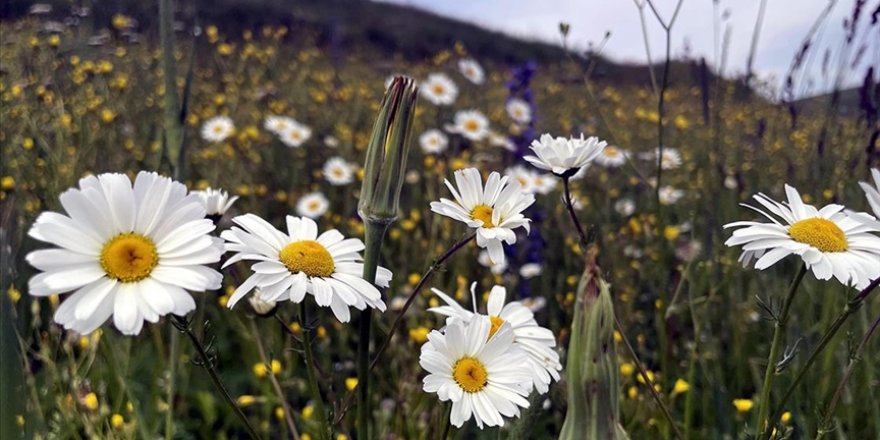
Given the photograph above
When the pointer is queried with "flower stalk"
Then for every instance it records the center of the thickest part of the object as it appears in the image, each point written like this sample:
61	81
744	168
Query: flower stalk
309	356
778	335
378	207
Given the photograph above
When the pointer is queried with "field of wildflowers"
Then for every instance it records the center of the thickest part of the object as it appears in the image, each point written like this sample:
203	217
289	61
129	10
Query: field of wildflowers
356	254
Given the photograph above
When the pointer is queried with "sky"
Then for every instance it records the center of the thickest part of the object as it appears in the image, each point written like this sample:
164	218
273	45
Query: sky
786	23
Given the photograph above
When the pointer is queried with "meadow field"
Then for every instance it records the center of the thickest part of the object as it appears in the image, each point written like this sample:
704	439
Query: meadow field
282	117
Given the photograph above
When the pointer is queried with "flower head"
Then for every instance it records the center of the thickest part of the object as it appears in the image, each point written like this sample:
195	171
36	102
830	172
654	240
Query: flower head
338	171
217	129
536	341
127	251
830	242
433	141
564	156
670	160
439	89
481	375
216	201
327	266
471	70
295	134
472	124
612	157
494	211
312	205
278	124
519	110
872	193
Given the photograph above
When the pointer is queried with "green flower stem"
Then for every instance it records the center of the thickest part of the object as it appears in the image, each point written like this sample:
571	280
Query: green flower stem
324	434
848	310
399	319
373	235
585	241
208	365
173	355
775	346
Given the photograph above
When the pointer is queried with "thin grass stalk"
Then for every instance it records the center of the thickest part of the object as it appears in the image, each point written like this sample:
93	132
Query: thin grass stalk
314	389
288	414
778	335
374	233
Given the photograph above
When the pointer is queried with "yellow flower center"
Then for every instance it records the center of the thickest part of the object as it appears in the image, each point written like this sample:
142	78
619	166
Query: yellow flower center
129	257
218	129
438	89
294	135
610	151
308	257
484	214
496	324
313	205
822	234
471	125
470	374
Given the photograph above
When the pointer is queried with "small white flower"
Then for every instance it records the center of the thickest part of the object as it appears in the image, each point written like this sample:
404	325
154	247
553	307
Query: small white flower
127	251
829	242
670	195
625	207
472	70
564	156
480	372
433	141
730	182
530	270
290	265
295	135
260	303
338	171
543	183
872	193
216	201
538	342
439	89
312	205
500	140
495	268
331	141
278	124
671	158
217	129
471	124
494	211
519	110
612	157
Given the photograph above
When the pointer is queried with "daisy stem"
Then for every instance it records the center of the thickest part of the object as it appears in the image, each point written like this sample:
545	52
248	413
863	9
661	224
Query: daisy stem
208	364
585	241
173	354
310	370
374	232
829	412
850	308
775	346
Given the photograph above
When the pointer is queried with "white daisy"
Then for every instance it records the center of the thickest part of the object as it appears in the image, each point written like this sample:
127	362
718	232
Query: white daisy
312	205
129	252
564	156
327	266
522	175
536	341
278	124
483	376
472	70
829	242
872	193
500	140
530	270
471	124
625	207
338	171
215	201
439	89
670	195
494	211
217	129
543	183
495	268
433	141
295	135
612	157
519	110
671	158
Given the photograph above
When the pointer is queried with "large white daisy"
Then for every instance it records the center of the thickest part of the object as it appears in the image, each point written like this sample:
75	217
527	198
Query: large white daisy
564	156
830	242
494	211
327	266
536	341
482	376
217	129
129	252
439	89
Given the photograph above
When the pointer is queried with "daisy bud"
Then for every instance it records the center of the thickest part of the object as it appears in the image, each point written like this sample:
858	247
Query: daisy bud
591	368
385	167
